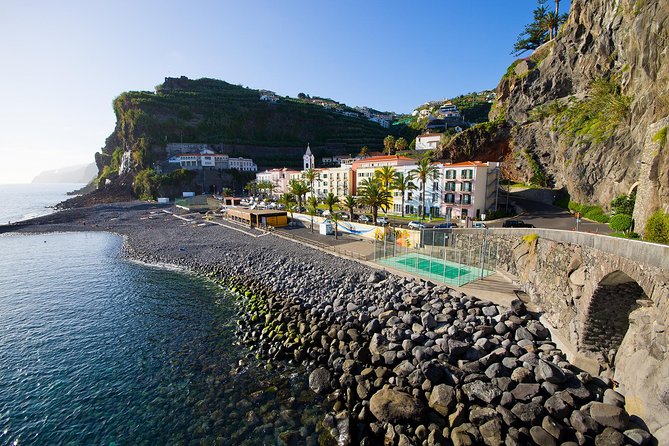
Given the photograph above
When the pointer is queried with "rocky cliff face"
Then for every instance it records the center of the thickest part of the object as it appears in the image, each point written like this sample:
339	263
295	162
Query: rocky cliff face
624	43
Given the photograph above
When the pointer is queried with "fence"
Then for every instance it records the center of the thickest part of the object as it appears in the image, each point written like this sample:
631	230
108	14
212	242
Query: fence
438	254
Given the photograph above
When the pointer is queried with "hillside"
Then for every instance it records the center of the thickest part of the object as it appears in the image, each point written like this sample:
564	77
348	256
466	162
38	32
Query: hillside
589	111
216	112
474	107
71	174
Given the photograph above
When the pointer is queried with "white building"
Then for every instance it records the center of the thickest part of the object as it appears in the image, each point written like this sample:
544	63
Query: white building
364	169
428	141
469	188
197	161
280	178
336	180
413	201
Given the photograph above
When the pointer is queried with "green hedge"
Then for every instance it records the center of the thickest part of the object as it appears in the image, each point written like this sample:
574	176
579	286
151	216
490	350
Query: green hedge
591	212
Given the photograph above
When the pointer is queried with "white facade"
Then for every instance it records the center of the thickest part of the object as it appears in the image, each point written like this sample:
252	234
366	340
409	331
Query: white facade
364	169
195	161
428	141
280	178
308	160
413	200
337	180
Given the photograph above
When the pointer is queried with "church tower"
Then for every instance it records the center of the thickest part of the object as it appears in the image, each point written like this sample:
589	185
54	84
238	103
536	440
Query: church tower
308	160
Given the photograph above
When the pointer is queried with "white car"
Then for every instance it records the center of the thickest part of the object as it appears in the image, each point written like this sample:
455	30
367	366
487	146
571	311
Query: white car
479	225
416	225
382	220
364	219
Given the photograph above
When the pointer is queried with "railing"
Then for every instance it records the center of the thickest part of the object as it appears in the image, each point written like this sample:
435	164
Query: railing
326	247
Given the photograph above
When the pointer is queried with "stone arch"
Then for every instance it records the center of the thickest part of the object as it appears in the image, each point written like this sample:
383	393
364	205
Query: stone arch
633	188
607	317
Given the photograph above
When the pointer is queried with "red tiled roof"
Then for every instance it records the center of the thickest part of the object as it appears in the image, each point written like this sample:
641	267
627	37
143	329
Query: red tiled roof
467	164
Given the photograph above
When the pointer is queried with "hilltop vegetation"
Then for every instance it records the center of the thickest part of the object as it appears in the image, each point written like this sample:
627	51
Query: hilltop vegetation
216	112
474	107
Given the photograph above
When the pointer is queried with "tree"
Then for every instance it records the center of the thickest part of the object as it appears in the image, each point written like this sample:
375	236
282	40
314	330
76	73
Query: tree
621	222
251	188
401	144
288	200
335	219
300	189
311	175
542	29
330	200
373	195
363	151
534	34
146	184
412	146
403	184
425	171
389	144
657	228
623	204
386	175
349	202
312	206
265	187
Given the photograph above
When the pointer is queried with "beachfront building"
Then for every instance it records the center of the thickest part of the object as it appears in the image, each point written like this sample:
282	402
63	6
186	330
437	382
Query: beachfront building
413	202
364	169
428	141
280	178
336	180
469	188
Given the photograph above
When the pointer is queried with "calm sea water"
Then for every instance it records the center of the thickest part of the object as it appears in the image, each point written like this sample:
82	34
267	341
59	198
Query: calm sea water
23	201
96	350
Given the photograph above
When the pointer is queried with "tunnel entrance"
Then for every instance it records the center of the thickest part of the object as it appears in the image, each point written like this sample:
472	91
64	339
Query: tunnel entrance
607	320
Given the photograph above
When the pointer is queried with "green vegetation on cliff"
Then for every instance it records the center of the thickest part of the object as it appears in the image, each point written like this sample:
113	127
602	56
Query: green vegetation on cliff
216	112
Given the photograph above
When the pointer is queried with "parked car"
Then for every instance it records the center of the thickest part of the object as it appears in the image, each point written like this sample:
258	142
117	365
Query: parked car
343	216
415	225
479	225
364	219
382	221
447	225
516	224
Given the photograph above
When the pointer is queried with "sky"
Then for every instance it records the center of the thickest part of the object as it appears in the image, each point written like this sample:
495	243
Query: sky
64	62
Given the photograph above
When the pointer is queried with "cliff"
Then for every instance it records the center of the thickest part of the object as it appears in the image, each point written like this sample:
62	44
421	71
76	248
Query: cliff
590	109
216	112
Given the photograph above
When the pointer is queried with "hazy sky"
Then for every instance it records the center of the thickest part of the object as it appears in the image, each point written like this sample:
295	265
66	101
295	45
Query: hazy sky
64	62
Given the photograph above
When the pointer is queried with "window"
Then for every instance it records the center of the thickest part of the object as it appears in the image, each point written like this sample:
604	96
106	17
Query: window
466	174
450	174
467	186
466	199
450	185
435	186
449	198
410	196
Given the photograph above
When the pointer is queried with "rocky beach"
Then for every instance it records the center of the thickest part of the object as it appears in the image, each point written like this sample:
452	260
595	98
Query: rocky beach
396	360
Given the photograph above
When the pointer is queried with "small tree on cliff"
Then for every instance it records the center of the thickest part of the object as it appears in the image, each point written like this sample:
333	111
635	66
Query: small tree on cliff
389	144
146	184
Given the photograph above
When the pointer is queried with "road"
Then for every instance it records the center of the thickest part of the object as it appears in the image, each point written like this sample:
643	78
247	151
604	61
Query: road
539	214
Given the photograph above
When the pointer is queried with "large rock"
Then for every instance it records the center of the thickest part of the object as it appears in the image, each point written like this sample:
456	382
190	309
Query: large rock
393	406
541	437
609	415
442	399
479	390
545	371
610	437
319	380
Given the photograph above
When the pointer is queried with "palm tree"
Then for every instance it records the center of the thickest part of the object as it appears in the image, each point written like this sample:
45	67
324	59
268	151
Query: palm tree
265	187
335	219
401	144
298	188
373	194
389	144
403	184
251	187
349	202
330	200
311	175
312	206
363	152
386	176
425	171
288	200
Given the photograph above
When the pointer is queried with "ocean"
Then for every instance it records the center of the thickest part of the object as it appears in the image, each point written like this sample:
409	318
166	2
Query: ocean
99	350
23	201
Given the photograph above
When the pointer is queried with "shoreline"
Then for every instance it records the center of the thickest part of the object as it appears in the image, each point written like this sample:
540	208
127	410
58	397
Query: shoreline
397	359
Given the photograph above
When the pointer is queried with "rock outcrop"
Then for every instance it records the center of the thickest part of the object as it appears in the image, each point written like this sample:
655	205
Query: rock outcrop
624	43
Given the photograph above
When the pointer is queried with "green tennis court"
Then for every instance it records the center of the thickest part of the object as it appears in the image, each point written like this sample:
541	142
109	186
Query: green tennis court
436	269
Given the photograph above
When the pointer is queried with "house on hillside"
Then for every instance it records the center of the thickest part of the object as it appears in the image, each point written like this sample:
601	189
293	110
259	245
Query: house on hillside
428	141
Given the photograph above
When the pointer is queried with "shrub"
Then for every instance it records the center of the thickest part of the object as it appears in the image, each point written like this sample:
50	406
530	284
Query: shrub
597	214
657	228
661	137
623	204
621	222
